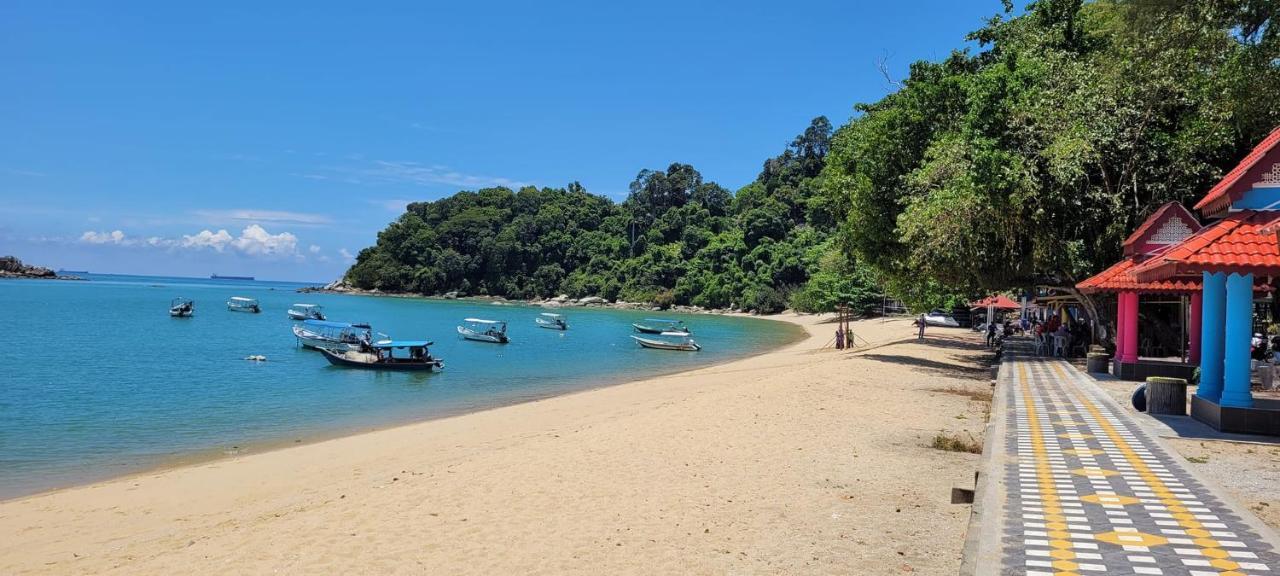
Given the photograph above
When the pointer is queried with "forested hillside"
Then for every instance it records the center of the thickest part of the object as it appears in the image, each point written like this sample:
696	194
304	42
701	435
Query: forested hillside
677	238
1024	162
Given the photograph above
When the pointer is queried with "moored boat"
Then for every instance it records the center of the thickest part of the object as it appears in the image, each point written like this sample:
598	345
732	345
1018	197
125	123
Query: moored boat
182	307
551	321
671	341
659	325
481	330
242	304
382	356
306	312
321	334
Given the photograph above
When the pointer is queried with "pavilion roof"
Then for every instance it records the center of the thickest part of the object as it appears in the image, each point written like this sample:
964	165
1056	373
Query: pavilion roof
999	301
1241	242
1119	278
1234	184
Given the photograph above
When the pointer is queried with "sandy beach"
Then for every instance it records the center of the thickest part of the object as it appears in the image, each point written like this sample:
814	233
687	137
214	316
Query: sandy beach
804	460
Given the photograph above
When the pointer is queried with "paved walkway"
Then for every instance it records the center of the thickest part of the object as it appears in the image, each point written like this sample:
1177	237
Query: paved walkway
1082	490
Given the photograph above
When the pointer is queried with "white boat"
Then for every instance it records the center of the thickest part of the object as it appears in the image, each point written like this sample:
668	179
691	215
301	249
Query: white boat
306	312
481	330
551	321
242	304
182	307
334	335
669	341
940	318
659	325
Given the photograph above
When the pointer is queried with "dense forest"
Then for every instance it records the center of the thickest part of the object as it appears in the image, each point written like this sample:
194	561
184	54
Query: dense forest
1021	163
676	239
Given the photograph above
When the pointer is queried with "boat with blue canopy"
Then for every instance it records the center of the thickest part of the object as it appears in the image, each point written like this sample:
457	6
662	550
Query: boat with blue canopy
321	334
481	330
551	321
306	312
660	325
243	304
399	355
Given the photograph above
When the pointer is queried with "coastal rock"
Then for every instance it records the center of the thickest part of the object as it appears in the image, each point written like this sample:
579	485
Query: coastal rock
592	300
453	295
12	267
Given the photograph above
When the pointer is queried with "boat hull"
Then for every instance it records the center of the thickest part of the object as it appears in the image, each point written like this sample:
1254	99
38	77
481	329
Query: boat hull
552	325
482	337
349	361
181	313
661	345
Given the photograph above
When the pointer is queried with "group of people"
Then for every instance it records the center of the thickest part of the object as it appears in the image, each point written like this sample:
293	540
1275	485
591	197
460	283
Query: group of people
1059	338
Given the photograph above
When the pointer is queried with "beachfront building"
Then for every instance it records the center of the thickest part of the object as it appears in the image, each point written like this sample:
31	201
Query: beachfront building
1233	256
1138	356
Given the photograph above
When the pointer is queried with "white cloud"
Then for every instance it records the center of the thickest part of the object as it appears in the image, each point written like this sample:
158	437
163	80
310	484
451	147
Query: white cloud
253	240
113	237
314	249
396	205
415	173
346	255
206	239
264	216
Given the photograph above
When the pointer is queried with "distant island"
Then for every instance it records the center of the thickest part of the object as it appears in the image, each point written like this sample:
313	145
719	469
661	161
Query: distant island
12	267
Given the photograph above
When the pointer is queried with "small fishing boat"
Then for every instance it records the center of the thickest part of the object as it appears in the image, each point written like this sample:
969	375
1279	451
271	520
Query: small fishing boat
306	312
670	341
382	356
658	326
242	304
481	330
552	321
182	307
320	334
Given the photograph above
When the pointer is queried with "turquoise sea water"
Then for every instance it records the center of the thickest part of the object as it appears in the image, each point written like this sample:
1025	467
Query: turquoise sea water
99	381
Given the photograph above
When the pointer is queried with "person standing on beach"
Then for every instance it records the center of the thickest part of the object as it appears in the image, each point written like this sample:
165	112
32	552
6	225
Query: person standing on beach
839	338
920	324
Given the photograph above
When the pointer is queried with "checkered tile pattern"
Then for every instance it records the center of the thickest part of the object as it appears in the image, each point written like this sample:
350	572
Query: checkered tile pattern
1089	493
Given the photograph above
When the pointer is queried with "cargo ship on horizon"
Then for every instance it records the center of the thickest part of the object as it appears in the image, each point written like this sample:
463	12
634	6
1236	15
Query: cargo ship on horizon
217	277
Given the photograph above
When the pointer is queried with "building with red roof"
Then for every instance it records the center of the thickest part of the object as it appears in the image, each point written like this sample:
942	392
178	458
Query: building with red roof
1168	226
1229	255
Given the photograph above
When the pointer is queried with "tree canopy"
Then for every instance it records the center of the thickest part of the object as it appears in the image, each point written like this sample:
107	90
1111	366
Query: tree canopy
676	239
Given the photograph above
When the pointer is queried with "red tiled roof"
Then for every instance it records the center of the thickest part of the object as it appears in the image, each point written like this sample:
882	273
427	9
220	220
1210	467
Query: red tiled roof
1151	220
1119	278
1237	243
1232	185
999	300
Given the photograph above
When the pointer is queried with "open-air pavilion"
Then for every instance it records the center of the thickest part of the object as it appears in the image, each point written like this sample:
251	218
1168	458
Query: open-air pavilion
1139	355
1233	256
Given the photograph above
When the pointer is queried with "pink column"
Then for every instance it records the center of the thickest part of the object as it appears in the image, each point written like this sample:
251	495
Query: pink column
1130	328
1193	329
1121	301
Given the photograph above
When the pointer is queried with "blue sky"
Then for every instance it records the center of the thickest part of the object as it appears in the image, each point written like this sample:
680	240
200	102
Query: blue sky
275	139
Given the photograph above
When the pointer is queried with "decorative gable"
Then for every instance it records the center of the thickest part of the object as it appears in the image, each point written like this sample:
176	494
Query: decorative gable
1168	225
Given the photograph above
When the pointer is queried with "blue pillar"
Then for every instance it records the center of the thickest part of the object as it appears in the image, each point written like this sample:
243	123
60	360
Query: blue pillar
1212	312
1239	330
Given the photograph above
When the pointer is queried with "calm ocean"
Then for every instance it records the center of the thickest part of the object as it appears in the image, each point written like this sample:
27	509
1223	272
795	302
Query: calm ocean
99	381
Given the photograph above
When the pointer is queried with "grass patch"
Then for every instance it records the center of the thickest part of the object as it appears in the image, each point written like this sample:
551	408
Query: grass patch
975	394
956	443
1198	459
